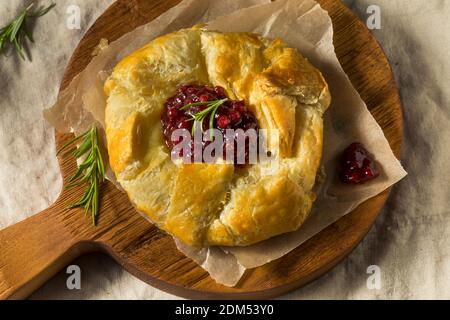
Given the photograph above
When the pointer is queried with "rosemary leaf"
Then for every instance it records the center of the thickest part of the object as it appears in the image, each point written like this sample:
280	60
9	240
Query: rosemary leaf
12	34
91	171
211	109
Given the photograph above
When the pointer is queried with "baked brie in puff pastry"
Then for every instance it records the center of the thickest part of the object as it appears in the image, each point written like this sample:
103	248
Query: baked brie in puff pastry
206	204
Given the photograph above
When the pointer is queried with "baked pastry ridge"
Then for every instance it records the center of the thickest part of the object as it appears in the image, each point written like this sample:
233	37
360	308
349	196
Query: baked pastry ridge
216	204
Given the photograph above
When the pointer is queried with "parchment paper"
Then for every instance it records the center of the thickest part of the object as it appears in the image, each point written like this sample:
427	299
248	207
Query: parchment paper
302	24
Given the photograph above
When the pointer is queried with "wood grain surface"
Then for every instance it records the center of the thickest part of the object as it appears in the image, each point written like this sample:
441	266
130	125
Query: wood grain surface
35	249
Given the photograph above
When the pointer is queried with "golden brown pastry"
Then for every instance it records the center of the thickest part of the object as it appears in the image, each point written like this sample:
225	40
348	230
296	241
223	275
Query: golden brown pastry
216	204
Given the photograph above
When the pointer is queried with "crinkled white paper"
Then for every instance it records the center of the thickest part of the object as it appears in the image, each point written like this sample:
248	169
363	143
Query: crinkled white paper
303	25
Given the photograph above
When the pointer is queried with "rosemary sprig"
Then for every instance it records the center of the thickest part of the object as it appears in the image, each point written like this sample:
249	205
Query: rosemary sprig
211	110
13	33
91	171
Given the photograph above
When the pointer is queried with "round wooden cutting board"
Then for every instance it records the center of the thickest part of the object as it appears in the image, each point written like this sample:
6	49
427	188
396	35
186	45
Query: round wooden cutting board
34	250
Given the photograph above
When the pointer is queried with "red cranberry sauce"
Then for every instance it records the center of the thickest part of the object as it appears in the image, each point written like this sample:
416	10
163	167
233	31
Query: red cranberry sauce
230	115
356	165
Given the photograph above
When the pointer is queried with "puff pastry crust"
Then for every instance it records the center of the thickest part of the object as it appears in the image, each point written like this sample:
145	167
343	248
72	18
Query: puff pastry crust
216	204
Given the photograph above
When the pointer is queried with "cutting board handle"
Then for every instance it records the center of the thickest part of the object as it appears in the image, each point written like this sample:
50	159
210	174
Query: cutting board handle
34	250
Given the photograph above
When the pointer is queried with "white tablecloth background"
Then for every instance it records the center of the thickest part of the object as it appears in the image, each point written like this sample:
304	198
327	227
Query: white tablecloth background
410	241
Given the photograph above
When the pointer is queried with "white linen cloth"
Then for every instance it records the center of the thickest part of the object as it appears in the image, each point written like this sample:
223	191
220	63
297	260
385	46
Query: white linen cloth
410	241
